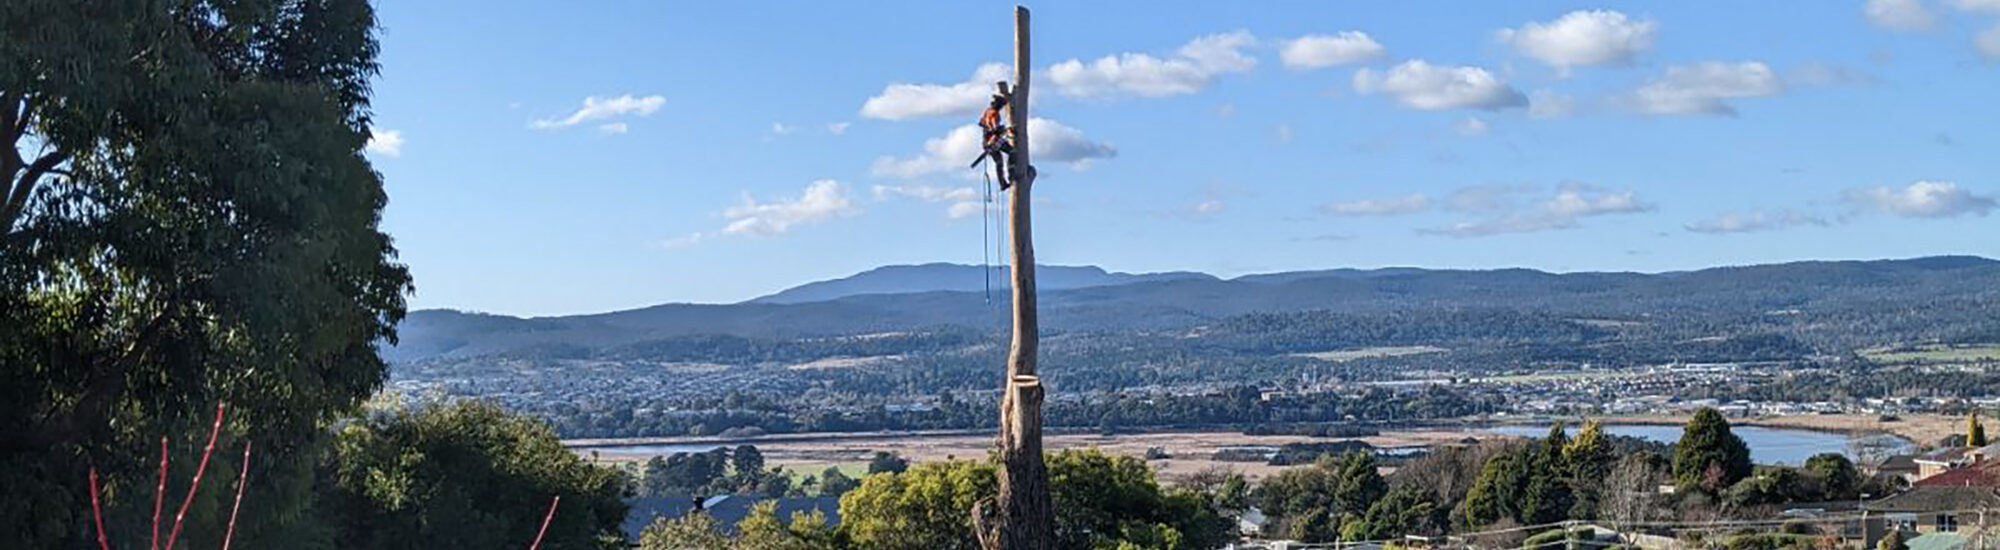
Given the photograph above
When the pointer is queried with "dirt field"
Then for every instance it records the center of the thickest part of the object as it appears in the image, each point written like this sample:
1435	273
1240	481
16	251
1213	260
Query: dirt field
1190	450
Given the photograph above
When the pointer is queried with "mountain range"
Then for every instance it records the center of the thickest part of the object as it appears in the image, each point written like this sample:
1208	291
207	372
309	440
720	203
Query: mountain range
1943	297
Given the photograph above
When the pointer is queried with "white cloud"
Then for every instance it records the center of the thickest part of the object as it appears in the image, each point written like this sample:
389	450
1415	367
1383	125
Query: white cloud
962	210
838	128
1283	133
1225	110
1394	206
596	108
1988	43
1550	104
1584	37
1503	210
1981	6
614	128
926	193
964	201
1219	53
1318	51
1922	199
1192	68
1701	89
1419	85
780	129
1209	207
1471	126
388	143
1754	220
1048	140
1902	15
903	101
821	201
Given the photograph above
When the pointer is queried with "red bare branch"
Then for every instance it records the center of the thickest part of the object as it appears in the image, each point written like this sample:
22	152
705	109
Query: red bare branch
545	523
97	512
241	480
207	451
160	494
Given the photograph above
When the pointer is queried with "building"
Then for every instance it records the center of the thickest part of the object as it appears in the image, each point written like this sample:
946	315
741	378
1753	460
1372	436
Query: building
1955	501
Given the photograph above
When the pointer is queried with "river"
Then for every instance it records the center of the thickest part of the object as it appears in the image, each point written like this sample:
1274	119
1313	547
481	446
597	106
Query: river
1767	445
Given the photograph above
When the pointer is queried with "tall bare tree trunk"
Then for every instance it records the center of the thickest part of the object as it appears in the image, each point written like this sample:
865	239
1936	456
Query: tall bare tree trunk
1026	520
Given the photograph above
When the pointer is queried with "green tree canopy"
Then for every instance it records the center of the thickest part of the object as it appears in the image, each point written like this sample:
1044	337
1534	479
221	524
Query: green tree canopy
465	475
1975	433
1101	501
186	218
1707	446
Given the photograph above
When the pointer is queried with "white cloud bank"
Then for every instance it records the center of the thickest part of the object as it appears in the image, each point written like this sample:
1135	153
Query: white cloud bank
1901	15
1394	206
605	108
1583	37
962	202
1417	84
1193	67
822	200
1505	210
1048	140
1319	51
1753	221
1704	88
904	101
1921	199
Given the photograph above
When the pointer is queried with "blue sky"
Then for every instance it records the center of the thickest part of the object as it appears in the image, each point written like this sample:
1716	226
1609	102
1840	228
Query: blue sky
551	158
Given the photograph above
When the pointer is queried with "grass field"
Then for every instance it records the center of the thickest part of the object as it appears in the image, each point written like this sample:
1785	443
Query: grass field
1338	356
1935	353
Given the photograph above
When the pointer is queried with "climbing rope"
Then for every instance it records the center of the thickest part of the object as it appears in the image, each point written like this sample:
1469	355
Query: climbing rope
986	256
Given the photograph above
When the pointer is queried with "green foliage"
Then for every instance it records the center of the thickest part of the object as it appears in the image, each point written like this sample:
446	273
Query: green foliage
694	531
1590	458
1546	492
1893	540
1101	501
1406	510
884	461
1315	526
1344	486
465	475
1975	433
1234	493
833	482
1709	458
1499	490
186	218
1835	474
927	507
762	530
1770	541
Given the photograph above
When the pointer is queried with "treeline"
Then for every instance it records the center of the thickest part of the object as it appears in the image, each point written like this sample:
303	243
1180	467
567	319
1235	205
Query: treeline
1101	501
1241	407
1491	490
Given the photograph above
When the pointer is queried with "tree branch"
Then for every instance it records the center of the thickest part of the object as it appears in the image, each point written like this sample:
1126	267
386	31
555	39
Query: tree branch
17	198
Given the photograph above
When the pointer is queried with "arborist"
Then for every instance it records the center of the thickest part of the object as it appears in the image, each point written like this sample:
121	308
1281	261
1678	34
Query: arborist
997	139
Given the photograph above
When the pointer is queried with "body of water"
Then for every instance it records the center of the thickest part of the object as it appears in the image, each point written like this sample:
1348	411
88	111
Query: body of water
1767	445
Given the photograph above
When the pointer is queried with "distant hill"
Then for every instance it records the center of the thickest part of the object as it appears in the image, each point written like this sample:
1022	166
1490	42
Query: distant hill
1829	305
908	279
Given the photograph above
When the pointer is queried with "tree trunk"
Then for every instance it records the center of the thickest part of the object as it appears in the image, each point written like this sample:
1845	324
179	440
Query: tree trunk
1025	518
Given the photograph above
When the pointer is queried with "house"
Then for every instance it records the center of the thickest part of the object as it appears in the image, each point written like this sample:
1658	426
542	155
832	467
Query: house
1965	498
1951	458
1902	466
728	510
